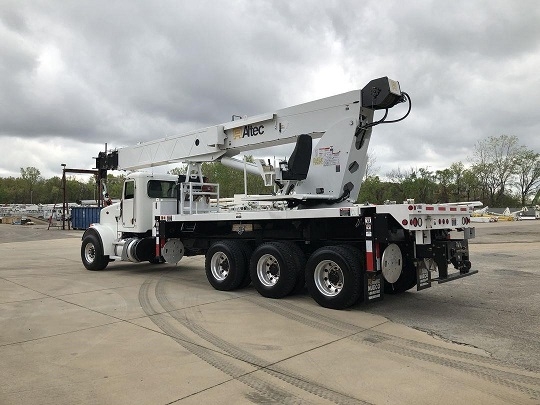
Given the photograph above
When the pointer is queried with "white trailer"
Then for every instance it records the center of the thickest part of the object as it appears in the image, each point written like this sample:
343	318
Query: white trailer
310	233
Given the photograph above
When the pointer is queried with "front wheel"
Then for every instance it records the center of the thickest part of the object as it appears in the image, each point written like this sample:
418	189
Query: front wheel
92	253
334	276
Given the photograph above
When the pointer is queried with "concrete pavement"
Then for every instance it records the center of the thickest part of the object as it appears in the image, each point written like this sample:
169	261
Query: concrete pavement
159	334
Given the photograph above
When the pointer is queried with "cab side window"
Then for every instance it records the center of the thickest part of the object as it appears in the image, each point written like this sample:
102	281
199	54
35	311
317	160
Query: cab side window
129	190
161	189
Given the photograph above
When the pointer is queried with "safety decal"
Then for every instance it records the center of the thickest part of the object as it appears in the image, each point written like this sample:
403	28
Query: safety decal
326	157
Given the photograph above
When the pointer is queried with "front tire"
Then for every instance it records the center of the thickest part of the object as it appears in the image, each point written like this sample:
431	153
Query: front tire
225	265
92	253
334	276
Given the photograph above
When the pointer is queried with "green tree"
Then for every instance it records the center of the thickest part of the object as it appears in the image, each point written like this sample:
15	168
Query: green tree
494	160
457	169
114	185
52	190
527	173
77	190
425	186
372	191
446	186
15	190
30	177
472	185
413	183
397	179
450	183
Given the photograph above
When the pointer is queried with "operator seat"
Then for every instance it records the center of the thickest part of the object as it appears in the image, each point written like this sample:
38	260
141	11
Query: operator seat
298	164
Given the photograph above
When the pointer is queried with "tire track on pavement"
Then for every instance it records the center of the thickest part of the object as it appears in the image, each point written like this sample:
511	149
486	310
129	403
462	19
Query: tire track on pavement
270	393
241	354
501	375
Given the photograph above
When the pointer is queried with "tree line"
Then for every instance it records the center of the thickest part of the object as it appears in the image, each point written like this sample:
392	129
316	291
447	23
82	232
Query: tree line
31	188
502	173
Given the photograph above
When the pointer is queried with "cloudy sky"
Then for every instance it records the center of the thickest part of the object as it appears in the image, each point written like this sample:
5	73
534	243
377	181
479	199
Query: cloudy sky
75	75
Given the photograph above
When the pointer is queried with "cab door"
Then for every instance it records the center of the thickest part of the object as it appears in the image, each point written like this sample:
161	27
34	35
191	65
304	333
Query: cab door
128	204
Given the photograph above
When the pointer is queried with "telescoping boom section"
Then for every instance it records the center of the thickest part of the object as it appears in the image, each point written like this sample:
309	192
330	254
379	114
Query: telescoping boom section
308	234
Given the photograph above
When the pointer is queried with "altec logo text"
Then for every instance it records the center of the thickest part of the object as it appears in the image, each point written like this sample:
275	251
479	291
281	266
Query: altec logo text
248	130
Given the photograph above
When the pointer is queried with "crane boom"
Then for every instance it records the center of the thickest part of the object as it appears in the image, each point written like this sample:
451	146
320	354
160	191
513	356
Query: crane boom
250	133
342	124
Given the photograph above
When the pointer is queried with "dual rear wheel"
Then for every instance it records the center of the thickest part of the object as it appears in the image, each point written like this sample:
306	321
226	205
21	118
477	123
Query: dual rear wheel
225	265
333	275
274	268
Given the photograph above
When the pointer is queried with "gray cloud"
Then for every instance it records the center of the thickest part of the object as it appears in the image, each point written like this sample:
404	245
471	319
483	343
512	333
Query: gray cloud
91	72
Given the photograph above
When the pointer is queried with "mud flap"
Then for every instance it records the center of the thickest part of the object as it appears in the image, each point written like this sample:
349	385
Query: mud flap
423	276
373	286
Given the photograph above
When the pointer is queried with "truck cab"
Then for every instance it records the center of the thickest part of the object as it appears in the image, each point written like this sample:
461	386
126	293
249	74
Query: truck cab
139	192
125	228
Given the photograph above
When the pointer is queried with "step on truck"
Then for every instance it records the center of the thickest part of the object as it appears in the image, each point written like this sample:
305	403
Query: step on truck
308	234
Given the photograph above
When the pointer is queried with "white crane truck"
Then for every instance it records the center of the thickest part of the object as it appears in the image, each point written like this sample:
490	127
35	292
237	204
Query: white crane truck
308	233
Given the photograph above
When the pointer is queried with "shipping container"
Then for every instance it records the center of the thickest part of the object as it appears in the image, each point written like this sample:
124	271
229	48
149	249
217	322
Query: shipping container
82	217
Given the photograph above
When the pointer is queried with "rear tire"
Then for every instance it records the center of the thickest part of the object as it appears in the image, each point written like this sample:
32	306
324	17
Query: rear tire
92	253
273	269
248	251
225	265
300	263
334	276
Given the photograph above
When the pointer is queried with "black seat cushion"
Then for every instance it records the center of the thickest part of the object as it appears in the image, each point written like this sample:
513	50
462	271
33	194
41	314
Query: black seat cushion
298	164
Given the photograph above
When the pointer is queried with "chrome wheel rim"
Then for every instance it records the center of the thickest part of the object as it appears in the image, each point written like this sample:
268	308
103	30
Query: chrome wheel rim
268	270
329	278
90	252
219	266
